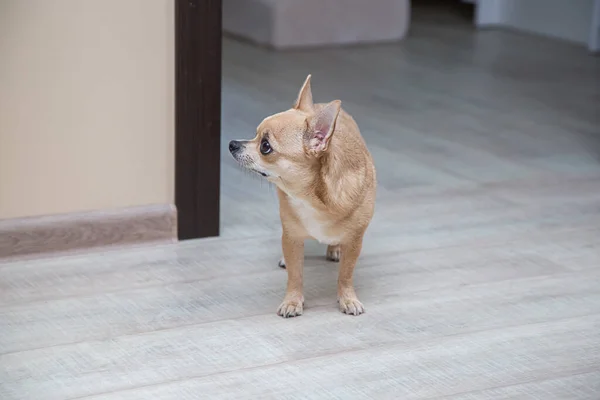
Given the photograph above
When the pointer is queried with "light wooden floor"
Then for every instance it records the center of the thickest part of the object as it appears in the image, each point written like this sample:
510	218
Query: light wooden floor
480	273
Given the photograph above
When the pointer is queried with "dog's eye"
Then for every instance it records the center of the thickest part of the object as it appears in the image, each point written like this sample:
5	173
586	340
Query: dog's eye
265	147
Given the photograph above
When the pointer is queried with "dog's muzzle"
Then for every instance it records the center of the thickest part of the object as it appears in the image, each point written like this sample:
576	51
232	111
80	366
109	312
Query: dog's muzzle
234	147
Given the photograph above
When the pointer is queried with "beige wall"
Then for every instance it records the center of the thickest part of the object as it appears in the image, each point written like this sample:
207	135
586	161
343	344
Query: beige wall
86	105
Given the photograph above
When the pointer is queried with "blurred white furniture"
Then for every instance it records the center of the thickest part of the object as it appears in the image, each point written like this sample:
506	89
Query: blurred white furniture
297	23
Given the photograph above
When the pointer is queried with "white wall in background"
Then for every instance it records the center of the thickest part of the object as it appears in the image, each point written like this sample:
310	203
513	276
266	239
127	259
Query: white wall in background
570	20
594	40
489	13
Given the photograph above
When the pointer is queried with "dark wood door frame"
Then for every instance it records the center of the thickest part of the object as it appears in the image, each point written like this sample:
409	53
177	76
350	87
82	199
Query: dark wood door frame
197	116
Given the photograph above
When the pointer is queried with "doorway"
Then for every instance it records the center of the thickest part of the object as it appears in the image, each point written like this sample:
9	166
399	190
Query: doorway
197	117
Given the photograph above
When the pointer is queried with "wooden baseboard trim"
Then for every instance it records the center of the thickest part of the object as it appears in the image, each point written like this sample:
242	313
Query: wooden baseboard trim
47	235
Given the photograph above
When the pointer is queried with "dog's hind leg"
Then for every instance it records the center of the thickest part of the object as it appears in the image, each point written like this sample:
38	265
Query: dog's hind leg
333	253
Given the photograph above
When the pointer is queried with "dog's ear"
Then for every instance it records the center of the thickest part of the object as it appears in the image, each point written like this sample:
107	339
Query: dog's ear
321	127
304	102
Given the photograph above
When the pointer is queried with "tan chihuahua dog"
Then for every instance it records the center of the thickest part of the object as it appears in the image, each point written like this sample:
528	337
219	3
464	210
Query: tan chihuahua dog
326	184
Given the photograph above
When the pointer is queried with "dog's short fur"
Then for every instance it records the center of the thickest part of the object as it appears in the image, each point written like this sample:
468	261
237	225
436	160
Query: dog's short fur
326	184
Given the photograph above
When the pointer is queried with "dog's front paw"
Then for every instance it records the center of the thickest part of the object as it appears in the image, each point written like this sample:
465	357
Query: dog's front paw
281	262
333	253
292	306
351	305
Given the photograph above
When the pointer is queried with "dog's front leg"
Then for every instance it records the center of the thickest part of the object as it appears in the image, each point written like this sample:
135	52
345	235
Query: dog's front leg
349	303
293	253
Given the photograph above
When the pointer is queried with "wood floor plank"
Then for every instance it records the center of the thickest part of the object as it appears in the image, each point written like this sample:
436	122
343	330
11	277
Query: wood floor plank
52	322
423	370
257	340
462	224
584	386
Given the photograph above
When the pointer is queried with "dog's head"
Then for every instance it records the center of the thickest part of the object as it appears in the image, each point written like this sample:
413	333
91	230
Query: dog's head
288	144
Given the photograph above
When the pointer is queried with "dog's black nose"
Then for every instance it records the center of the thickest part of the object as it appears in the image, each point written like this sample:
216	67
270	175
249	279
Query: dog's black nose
234	146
